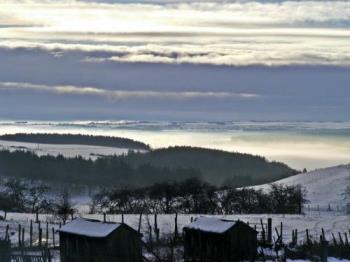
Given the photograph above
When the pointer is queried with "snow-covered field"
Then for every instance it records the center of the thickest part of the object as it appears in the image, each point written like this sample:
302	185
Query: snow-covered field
84	151
331	222
314	221
324	186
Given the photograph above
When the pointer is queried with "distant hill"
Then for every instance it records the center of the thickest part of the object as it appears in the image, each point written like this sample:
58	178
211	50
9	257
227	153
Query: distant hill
110	171
70	139
217	167
140	169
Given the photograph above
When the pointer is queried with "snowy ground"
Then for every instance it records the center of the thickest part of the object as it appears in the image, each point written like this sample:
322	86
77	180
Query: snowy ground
330	259
324	186
84	151
324	189
331	222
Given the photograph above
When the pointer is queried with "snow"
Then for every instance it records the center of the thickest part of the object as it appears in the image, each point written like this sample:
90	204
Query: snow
324	186
331	222
333	259
313	221
89	228
70	151
211	224
329	259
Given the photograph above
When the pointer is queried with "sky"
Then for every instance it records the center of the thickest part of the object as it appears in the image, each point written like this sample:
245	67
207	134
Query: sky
175	60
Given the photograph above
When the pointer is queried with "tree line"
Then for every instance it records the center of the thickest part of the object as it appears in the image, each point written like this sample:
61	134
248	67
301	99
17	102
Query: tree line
72	139
191	196
108	171
194	196
22	196
143	169
217	167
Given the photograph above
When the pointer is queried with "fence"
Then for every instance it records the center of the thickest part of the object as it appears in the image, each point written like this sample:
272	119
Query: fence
40	236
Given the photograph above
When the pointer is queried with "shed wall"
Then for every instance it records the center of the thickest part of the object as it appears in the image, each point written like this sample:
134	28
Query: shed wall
122	245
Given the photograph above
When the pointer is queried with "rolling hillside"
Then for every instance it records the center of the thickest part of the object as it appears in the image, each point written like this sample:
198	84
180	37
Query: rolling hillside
217	167
324	186
138	169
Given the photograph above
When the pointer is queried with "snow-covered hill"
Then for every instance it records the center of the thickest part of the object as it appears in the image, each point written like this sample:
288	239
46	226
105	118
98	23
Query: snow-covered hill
84	151
324	186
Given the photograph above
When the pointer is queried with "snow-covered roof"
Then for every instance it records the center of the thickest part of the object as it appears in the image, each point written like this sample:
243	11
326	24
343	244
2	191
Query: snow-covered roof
211	224
89	228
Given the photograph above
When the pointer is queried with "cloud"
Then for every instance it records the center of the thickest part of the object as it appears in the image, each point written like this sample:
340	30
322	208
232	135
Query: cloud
218	32
125	94
111	16
243	59
285	51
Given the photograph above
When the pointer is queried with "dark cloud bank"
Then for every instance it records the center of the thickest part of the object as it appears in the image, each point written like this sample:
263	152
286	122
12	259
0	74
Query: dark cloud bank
283	93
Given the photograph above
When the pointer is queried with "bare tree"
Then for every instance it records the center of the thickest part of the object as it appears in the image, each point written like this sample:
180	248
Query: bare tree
6	204
37	198
16	190
64	207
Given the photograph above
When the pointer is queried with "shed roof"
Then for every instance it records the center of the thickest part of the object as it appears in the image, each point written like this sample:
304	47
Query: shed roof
89	228
211	224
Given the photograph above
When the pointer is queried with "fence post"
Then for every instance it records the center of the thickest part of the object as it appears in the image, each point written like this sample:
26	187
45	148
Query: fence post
7	237
307	236
53	237
31	233
40	236
281	232
140	220
324	250
346	239
19	235
262	231
323	234
269	230
156	229
150	236
341	239
155	221
176	229
47	234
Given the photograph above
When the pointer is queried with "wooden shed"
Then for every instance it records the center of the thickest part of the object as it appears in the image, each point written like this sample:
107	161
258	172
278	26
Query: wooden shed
210	239
84	240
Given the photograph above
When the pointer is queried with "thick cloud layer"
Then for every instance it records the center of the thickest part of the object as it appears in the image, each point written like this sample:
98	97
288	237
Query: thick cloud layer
175	59
220	33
